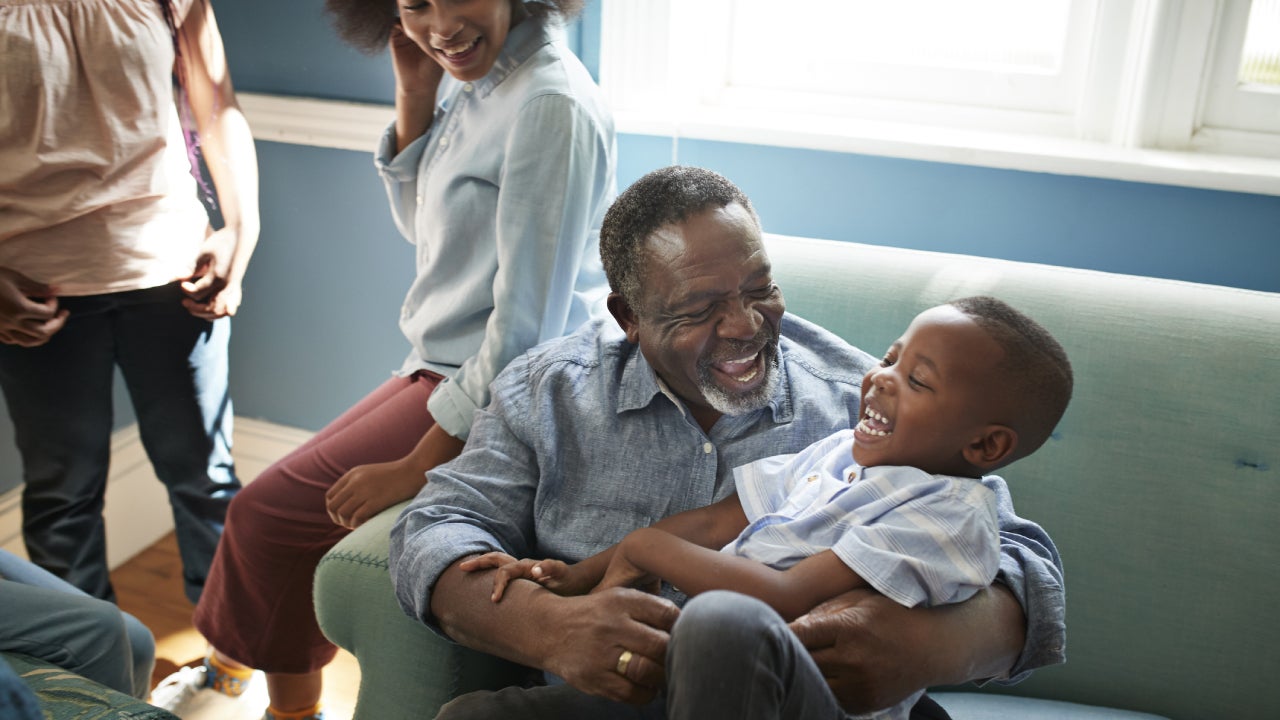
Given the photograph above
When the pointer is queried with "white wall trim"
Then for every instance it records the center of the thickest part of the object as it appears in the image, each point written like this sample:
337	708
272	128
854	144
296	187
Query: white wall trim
319	123
359	126
137	506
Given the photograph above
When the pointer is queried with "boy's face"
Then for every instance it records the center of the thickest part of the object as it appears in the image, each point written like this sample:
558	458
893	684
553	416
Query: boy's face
934	392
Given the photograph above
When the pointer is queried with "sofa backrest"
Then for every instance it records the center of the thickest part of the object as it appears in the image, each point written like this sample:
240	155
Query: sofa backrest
1160	484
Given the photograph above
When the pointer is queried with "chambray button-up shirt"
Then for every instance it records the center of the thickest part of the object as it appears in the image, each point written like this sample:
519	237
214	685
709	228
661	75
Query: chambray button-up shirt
580	445
503	199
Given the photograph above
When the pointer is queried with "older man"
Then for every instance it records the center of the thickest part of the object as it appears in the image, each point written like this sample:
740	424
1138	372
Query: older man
617	426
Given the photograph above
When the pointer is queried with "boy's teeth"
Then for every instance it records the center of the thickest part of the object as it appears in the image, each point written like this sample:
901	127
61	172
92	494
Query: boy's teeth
864	427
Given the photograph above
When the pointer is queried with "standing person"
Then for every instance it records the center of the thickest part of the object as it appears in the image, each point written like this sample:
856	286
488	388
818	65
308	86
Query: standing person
107	259
499	168
624	423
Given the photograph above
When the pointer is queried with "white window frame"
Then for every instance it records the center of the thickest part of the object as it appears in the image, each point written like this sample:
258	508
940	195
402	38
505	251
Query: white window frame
1149	109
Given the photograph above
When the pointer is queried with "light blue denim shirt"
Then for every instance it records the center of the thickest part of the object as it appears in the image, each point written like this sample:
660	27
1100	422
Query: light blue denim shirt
580	445
503	199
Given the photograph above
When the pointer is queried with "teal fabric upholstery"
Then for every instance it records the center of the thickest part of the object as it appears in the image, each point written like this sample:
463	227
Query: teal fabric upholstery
65	695
1159	487
406	671
981	706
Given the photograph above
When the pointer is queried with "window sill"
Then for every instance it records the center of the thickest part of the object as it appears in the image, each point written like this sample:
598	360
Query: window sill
1197	169
358	126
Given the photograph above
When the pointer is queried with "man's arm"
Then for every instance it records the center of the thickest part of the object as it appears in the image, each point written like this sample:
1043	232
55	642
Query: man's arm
650	552
483	501
875	652
577	638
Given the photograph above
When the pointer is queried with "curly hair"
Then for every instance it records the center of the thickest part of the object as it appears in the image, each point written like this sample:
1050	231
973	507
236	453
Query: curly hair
1035	366
665	196
366	24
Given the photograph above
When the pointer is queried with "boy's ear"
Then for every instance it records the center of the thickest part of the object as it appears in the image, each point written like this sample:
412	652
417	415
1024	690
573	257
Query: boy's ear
992	448
621	311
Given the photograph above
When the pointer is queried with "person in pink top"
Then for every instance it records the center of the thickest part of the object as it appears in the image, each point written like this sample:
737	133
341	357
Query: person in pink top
108	260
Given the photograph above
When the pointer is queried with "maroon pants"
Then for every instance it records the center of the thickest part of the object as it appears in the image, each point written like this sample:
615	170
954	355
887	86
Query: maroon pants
256	606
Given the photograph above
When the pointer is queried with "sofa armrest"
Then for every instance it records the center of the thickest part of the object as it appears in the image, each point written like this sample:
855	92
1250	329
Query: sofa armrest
405	669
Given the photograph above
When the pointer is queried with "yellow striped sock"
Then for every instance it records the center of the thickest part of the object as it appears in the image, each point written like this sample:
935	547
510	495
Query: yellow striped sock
311	713
227	679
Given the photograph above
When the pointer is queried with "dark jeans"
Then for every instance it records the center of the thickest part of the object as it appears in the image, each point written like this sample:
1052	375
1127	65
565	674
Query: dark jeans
59	397
730	656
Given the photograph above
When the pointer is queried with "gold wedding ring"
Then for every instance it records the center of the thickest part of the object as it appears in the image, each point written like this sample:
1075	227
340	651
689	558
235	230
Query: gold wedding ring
624	661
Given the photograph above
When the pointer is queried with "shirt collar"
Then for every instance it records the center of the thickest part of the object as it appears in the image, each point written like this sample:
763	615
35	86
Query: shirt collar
639	385
523	41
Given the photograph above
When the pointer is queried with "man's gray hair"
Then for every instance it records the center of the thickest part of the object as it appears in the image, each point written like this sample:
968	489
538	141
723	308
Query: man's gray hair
665	196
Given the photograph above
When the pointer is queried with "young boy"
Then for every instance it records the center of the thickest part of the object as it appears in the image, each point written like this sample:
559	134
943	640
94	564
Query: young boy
893	504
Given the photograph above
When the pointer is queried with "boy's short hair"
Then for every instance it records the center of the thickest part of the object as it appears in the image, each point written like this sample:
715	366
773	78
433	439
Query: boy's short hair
1036	370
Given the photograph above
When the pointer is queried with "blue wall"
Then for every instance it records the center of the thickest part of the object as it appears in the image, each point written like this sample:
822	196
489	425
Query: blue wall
318	326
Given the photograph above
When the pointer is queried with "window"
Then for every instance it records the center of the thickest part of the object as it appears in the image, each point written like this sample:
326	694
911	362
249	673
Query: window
1089	78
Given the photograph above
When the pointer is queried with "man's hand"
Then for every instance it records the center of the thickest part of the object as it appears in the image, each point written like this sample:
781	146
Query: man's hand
211	292
29	313
873	651
367	490
592	632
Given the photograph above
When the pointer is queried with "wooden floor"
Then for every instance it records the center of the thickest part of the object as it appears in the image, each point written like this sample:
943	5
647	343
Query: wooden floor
150	587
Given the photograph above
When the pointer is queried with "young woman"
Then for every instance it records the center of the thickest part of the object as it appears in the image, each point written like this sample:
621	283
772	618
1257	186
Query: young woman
499	168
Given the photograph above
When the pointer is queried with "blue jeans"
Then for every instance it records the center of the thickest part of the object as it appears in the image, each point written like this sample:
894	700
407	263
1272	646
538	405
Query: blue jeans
49	619
59	397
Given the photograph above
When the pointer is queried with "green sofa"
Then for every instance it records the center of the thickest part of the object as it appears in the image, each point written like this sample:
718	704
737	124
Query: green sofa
64	695
1159	487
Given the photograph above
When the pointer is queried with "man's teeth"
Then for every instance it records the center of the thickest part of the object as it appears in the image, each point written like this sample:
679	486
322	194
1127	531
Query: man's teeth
747	364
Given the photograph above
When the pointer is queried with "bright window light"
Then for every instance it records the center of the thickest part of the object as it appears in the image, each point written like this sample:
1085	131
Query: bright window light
999	35
1260	61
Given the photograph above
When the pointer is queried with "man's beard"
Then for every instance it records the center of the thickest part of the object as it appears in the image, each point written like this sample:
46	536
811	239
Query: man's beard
726	403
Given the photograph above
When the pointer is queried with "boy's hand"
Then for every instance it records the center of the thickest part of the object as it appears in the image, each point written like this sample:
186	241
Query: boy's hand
554	575
623	573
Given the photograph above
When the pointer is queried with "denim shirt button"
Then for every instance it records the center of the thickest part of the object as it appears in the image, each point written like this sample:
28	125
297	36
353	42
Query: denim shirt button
706	448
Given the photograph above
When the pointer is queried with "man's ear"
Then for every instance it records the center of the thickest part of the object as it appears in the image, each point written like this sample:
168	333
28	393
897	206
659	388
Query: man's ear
621	311
991	448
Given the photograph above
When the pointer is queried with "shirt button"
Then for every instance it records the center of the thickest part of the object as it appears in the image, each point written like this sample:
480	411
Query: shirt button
706	448
468	87
444	142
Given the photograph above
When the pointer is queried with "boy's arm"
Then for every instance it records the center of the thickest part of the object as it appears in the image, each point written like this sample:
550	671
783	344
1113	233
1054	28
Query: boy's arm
712	526
652	552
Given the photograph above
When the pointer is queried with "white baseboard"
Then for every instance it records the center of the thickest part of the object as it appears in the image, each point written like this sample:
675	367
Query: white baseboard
137	508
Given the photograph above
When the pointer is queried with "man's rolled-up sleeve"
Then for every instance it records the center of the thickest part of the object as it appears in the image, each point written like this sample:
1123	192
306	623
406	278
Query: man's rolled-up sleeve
479	502
1032	569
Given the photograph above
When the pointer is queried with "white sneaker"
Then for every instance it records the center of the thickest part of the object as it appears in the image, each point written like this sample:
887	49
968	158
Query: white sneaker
188	694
